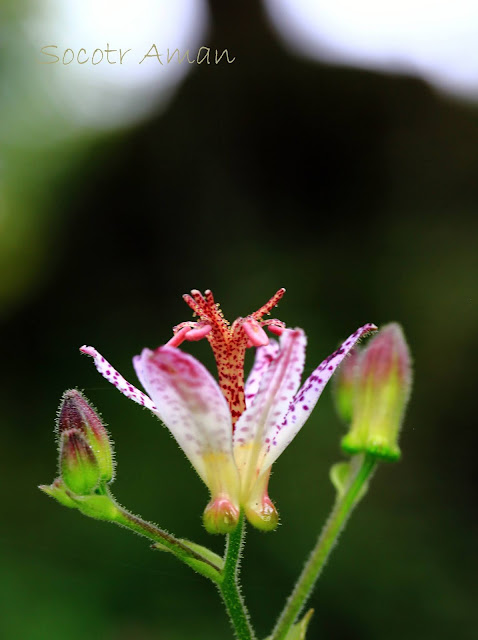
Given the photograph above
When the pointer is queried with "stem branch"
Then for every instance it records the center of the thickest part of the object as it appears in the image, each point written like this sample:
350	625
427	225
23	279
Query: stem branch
103	506
342	509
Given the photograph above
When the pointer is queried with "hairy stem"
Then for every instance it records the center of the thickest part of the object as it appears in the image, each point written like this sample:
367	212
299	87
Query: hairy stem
229	585
180	549
334	525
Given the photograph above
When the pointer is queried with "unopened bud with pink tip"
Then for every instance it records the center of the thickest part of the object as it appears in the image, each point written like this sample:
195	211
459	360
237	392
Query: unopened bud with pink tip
221	515
344	385
75	412
79	468
86	460
381	391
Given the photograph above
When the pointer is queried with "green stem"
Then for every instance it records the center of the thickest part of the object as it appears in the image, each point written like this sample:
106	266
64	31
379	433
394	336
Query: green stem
229	585
102	506
180	549
334	525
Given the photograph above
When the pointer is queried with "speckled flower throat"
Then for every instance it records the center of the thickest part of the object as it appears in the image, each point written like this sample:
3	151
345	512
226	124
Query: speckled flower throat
228	342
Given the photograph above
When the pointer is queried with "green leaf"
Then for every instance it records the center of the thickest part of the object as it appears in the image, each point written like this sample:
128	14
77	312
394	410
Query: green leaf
342	475
298	630
195	563
339	476
206	553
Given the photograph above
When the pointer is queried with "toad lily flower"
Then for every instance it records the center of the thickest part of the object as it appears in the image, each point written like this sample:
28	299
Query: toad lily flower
231	432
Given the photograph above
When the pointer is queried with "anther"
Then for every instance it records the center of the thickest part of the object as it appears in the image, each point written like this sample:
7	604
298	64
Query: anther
198	334
256	334
179	337
276	329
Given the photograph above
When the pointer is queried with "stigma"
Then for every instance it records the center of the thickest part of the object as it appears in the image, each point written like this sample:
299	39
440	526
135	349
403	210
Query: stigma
228	341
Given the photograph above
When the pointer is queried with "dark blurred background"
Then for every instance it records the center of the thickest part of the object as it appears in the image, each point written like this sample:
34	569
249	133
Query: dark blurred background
354	189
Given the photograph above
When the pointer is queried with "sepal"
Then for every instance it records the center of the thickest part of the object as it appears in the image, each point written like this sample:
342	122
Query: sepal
58	491
100	507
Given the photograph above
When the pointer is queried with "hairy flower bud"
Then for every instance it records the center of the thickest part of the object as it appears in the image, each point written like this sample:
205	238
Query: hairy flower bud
382	388
75	412
79	468
221	515
344	385
263	515
259	509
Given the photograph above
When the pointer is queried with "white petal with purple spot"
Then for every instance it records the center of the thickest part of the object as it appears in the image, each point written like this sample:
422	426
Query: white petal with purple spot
110	373
306	399
276	390
193	408
264	357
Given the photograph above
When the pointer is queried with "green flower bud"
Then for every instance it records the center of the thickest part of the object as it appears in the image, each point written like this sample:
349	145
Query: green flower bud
79	469
76	413
381	392
344	385
98	507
